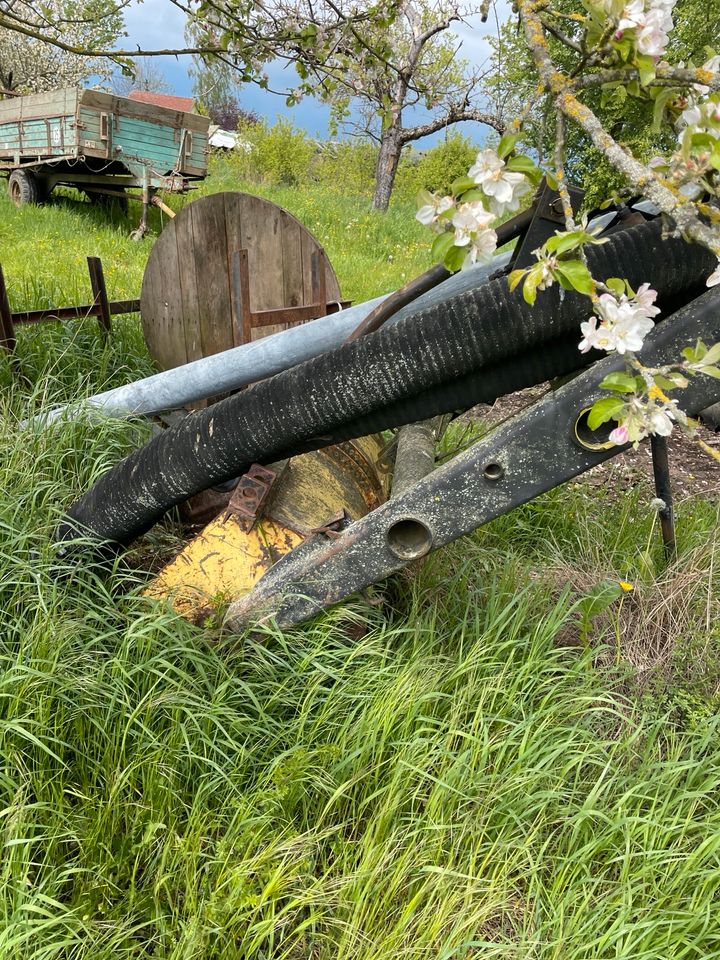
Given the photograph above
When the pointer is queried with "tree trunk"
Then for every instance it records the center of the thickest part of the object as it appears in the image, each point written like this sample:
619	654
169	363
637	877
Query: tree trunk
386	167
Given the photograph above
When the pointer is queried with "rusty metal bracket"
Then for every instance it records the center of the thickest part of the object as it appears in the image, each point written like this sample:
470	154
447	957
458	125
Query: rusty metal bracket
541	448
250	496
333	526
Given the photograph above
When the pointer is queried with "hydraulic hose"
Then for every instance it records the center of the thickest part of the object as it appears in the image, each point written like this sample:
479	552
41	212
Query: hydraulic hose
476	345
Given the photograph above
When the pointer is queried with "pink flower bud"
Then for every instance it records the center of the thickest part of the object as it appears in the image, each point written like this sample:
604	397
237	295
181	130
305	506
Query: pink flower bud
619	435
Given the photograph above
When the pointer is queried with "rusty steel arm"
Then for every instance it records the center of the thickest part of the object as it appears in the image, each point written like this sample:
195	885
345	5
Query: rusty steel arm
537	450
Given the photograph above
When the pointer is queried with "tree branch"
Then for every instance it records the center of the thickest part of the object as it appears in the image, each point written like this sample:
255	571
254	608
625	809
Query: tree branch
683	212
454	115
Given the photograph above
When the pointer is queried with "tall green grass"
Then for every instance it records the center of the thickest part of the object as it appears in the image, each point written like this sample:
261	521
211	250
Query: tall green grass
449	768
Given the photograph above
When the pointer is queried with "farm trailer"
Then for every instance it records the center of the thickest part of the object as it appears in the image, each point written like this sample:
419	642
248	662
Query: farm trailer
101	144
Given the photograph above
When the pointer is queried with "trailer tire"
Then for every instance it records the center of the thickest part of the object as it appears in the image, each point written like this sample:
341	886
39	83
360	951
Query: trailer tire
22	187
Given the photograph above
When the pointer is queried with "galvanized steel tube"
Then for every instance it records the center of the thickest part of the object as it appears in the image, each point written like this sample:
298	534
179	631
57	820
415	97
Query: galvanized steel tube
235	368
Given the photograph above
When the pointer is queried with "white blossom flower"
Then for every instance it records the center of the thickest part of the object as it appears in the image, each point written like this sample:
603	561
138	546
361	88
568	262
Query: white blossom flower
468	220
482	248
633	16
429	212
652	38
546	276
596	337
504	188
644	301
624	323
630	332
703	116
652	22
660	421
520	187
487	164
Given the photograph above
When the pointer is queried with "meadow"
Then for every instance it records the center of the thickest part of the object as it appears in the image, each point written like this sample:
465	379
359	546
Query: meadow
498	754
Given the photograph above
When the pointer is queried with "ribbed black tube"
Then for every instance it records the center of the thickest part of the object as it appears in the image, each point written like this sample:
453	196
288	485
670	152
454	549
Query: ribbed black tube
476	346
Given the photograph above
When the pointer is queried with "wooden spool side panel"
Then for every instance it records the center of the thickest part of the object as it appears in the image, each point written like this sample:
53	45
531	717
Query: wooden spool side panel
209	244
162	297
187	296
188	279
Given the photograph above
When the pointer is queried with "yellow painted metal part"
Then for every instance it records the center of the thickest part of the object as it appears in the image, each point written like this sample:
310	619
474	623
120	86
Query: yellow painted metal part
224	562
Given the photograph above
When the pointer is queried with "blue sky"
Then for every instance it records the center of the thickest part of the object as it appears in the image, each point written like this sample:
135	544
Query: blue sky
159	24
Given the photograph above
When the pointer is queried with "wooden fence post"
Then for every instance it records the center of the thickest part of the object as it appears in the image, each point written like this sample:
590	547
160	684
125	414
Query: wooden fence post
7	327
101	305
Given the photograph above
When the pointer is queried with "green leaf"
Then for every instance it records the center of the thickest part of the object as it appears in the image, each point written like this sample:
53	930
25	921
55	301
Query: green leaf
515	278
550	180
461	185
424	198
533	278
507	144
472	195
454	258
664	97
646	68
577	275
713	354
569	240
442	244
619	382
616	285
671	382
525	165
711	372
597	601
715	156
693	354
614	98
606	409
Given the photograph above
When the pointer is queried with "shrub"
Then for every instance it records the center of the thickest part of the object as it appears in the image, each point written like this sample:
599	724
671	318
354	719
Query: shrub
347	165
437	168
278	154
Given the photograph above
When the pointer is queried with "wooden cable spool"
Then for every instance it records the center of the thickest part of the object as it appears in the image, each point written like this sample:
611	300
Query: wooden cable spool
229	268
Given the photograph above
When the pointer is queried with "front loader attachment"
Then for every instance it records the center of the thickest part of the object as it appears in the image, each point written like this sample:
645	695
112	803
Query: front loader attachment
540	448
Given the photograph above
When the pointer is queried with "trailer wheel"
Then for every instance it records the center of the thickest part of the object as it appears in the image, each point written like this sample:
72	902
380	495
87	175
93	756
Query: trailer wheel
22	187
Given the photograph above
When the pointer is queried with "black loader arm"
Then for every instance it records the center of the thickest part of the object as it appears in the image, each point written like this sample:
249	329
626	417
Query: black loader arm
541	448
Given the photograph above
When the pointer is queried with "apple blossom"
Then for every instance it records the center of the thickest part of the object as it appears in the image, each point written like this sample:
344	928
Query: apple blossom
482	248
504	188
620	435
429	212
596	337
468	220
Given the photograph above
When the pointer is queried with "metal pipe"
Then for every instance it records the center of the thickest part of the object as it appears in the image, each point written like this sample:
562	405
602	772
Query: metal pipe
663	491
250	362
415	457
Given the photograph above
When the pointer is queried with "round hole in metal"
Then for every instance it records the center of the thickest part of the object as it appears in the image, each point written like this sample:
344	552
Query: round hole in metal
409	538
589	439
494	471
